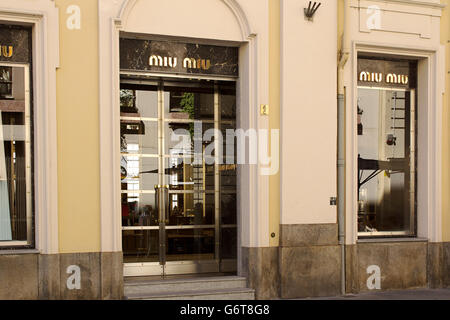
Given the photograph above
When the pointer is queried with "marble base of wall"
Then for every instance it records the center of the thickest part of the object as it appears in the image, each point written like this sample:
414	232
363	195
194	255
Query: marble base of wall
399	265
439	265
260	267
35	276
310	261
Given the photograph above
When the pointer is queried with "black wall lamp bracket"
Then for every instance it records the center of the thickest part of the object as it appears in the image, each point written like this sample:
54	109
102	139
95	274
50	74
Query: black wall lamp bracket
311	10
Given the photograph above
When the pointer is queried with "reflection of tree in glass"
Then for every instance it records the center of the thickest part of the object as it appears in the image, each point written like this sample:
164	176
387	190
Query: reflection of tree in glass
187	103
5	75
5	81
123	143
126	98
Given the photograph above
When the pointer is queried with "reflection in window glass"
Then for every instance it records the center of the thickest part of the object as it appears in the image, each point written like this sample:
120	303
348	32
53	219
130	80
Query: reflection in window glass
158	149
15	155
6	82
386	162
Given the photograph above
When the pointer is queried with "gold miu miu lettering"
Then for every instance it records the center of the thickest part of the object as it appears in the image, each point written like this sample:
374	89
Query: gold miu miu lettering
397	78
171	62
6	51
370	77
159	61
191	63
377	77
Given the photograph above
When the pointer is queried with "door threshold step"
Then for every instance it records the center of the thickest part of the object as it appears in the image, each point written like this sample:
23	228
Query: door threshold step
223	294
154	287
137	282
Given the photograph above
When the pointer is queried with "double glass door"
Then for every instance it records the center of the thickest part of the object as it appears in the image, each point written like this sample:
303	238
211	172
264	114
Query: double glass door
178	200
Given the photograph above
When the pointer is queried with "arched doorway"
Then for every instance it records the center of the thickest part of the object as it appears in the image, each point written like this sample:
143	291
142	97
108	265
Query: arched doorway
227	26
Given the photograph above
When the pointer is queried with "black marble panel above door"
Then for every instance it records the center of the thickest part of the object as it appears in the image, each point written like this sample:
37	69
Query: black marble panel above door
178	58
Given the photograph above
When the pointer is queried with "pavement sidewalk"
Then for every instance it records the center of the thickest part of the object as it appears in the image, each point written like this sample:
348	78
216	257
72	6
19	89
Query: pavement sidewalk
419	294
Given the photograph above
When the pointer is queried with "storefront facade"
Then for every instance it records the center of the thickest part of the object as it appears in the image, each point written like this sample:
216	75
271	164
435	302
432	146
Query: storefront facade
179	52
396	98
109	108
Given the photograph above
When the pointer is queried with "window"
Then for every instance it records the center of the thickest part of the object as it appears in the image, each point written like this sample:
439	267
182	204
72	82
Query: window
16	220
387	132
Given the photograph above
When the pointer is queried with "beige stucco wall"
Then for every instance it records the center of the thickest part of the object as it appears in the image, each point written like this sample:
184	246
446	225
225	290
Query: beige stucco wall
186	25
445	40
78	131
308	116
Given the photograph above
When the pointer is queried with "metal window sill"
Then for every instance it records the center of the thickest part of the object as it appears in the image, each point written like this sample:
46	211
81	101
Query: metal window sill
18	252
389	240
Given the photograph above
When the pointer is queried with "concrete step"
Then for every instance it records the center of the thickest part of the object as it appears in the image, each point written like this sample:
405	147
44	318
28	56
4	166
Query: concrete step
155	287
204	288
222	294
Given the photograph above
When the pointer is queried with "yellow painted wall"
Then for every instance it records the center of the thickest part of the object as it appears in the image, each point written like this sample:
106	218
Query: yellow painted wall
274	117
78	131
445	40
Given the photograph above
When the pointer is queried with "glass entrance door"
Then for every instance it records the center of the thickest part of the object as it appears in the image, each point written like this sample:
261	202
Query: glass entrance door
178	200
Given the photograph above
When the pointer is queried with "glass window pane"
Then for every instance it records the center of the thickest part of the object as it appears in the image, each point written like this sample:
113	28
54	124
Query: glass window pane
193	244
139	210
228	208
140	246
191	208
386	161
183	174
138	124
139	103
139	173
230	142
15	156
139	176
228	243
139	137
228	101
180	137
189	103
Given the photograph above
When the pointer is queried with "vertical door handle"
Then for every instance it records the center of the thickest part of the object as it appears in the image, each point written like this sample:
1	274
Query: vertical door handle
162	201
166	203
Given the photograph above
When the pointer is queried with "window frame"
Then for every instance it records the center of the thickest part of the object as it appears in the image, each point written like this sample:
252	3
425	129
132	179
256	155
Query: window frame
430	87
43	20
